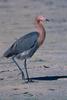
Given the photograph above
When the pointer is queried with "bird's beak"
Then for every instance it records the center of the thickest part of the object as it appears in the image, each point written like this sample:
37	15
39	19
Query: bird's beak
47	20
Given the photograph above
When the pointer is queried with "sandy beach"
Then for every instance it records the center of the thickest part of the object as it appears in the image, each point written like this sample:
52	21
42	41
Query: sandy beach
16	20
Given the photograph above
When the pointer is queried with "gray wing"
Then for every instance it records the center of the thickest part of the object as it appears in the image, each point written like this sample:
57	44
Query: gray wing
23	44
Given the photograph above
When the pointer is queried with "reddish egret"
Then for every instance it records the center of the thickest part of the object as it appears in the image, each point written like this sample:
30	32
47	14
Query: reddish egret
26	46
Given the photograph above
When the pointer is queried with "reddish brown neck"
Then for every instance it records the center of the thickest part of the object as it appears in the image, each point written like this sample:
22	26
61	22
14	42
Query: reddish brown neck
41	30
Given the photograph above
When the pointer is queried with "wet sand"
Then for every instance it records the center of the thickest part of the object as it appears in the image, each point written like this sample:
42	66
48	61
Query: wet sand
48	66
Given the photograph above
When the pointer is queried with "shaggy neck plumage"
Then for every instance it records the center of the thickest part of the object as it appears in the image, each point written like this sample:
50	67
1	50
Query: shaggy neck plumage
41	30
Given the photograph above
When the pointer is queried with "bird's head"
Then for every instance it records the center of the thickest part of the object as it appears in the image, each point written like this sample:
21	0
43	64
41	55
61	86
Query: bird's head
41	19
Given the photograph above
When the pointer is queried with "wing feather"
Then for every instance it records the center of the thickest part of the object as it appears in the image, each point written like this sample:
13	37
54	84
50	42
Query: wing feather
22	44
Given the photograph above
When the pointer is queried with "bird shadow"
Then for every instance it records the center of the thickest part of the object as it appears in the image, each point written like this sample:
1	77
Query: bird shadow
48	78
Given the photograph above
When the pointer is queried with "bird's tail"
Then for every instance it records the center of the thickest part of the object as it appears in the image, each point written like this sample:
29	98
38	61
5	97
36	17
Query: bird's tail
8	53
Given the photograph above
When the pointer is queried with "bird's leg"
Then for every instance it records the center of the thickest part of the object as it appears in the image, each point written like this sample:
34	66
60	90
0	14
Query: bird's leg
25	65
23	77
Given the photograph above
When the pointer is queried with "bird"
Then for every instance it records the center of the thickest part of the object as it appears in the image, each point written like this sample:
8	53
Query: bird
25	47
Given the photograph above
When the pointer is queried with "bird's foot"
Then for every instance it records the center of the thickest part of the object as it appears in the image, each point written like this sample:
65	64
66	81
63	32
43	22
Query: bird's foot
29	80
